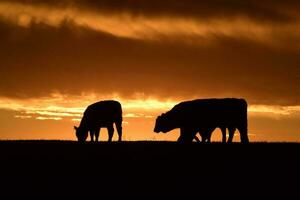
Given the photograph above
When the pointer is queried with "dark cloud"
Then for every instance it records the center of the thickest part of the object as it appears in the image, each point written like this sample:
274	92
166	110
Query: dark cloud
39	60
267	10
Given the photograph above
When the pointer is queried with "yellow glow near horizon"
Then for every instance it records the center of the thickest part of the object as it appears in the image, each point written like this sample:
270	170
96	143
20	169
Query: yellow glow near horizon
276	110
59	107
55	116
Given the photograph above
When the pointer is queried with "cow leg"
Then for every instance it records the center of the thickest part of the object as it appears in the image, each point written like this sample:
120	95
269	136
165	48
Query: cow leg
207	134
184	139
197	139
110	130
97	133
209	138
223	130
203	136
92	135
180	138
119	130
244	134
186	136
194	136
231	134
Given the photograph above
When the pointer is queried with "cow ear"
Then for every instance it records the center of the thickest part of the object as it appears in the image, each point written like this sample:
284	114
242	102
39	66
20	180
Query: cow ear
75	127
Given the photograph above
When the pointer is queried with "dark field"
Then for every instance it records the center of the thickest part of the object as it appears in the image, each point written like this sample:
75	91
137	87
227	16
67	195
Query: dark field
148	170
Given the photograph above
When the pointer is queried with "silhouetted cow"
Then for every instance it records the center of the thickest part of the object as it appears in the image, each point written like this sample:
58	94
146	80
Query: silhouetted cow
204	116
97	115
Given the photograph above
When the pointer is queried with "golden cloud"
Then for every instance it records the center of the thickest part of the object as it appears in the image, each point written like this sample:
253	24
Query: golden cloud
58	107
144	27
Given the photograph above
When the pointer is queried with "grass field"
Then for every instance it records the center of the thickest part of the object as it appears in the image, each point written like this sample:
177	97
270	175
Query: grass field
148	170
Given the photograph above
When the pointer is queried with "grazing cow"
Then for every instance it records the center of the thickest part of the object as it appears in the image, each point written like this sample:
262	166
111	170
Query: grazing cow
204	116
98	115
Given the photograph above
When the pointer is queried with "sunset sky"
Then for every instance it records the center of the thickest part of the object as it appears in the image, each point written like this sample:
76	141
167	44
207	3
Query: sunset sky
59	56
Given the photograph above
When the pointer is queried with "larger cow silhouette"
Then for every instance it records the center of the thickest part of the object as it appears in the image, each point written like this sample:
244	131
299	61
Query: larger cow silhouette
204	116
97	115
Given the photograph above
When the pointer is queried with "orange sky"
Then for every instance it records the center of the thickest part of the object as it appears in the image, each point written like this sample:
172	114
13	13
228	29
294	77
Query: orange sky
57	57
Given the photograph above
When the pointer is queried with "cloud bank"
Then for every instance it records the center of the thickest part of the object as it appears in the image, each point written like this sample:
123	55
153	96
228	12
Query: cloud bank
163	49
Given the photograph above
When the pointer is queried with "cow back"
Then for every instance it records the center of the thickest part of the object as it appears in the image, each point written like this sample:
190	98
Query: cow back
102	113
210	113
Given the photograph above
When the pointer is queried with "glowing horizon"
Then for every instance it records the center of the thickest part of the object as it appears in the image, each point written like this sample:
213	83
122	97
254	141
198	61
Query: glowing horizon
69	109
54	107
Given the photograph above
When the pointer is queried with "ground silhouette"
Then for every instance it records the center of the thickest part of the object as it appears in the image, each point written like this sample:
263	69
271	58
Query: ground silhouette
204	116
148	170
98	115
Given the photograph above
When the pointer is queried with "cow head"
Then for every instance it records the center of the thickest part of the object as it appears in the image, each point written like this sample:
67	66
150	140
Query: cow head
163	124
81	134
